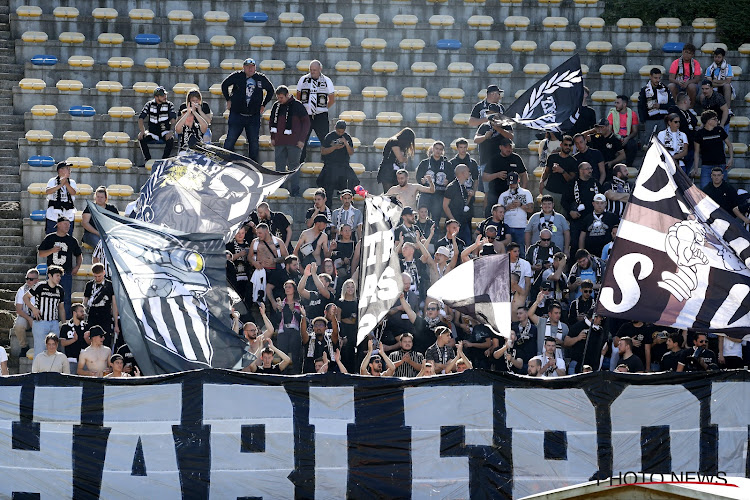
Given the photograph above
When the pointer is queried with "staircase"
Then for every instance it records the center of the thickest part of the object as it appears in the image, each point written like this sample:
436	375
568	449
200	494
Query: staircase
15	259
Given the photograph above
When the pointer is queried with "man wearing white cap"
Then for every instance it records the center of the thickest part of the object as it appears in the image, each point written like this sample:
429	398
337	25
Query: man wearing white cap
597	227
518	204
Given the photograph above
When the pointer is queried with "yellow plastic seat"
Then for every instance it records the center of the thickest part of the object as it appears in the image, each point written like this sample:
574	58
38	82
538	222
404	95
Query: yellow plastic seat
120	62
585	2
215	89
65	12
389	117
303	66
79	162
584	69
704	23
461	118
264	140
353	116
423	143
374	43
44	110
604	96
739	121
413	93
38	136
309	194
337	43
291	18
562	46
598	47
141	14
612	69
591	23
536	69
451	94
272	65
186	40
477	21
555	22
122	112
374	92
461	68
472	146
411	44
517	22
384	67
368	20
744	49
629	23
104	13
423	67
341	91
646	70
231	65
223	41
739	148
348	67
330	19
85	270
708	48
216	16
69	85
634	97
76	136
34	37
120	190
180	16
638	47
81	61
110	39
311	168
118	164
145	87
183	88
116	137
157	63
405	20
196	64
28	11
739	174
108	86
71	37
737	70
32	84
487	46
262	41
519	93
298	42
668	23
279	194
500	69
523	46
378	144
442	20
37	188
429	118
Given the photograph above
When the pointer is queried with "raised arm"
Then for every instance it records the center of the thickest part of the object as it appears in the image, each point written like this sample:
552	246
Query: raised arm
303	282
532	310
285	360
366	360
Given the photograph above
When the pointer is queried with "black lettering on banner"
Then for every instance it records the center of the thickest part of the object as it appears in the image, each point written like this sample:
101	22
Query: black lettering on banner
385	431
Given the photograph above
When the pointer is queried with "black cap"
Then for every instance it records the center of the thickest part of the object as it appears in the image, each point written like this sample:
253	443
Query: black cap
504	141
493	88
547	285
488	249
96	331
115	357
407	211
344	192
513	178
321	218
62	164
341	124
603	122
160	91
62	218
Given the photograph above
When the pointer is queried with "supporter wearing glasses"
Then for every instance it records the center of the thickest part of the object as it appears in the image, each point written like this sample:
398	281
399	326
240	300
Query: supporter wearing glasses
674	140
550	219
699	358
24	320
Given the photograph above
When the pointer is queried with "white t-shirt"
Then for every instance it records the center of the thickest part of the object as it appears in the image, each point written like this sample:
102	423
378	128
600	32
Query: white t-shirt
19	298
3	354
560	365
53	213
732	348
314	93
523	269
516	218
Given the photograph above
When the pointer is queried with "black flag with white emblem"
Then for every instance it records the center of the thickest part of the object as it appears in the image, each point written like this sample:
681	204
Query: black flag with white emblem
479	288
171	294
205	190
550	101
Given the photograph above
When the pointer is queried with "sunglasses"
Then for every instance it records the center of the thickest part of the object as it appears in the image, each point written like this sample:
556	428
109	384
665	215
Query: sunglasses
545	239
585	291
675	121
31	279
432	308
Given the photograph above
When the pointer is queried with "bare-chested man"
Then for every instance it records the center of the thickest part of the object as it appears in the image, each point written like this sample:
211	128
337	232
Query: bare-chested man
252	334
312	245
268	252
405	192
94	360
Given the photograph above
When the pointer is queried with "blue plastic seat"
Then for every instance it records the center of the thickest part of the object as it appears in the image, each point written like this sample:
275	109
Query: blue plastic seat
448	44
255	17
44	60
38	215
41	161
673	47
42	268
313	142
147	39
84	111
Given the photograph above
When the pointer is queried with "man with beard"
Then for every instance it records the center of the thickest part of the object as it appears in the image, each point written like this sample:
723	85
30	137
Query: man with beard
458	200
624	121
535	367
604	140
597	227
641	338
322	341
407	231
552	364
547	218
582	304
560	169
291	266
505	356
440	353
672	357
549	326
541	255
73	335
526	343
277	221
462	158
496	173
346	214
588	338
578	201
238	252
373	364
440	170
406	192
699	358
488	107
407	361
496	220
617	192
255	341
654	101
424	328
101	305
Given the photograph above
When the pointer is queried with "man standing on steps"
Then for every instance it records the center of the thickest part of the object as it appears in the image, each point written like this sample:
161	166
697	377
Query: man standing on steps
47	308
289	127
246	104
23	315
59	248
315	90
61	194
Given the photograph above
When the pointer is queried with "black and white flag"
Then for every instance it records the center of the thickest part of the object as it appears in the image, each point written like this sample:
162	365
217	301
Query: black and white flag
550	101
679	259
479	288
380	281
205	190
171	292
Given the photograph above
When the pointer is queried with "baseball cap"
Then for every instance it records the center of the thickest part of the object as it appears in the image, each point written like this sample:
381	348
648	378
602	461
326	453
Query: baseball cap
487	249
62	164
603	122
546	285
443	251
600	197
160	91
513	178
62	218
248	62
504	141
345	192
341	124
493	88
490	227
115	357
407	211
96	331
321	218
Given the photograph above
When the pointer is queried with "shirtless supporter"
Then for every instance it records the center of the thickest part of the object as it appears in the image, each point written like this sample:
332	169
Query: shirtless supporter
94	360
406	192
268	252
312	245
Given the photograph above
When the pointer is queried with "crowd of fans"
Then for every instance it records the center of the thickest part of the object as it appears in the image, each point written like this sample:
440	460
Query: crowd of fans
305	293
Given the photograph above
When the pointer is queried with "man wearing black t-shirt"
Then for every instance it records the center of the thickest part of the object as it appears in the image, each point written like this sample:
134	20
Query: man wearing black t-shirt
407	228
672	357
709	148
439	169
633	362
604	140
561	168
596	227
462	157
322	339
526	332
496	221
452	228
458	200
61	249
277	221
578	202
264	364
315	301
487	138
641	338
488	107
72	336
699	357
496	173
336	149
720	191
591	156
585	117
99	297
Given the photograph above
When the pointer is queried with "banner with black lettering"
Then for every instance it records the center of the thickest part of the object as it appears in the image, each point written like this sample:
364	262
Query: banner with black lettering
679	259
223	434
380	281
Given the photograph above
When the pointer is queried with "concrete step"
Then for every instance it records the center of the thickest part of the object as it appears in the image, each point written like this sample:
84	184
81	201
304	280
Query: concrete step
10	170
11	231
6	197
8	279
14	187
11	240
15	223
